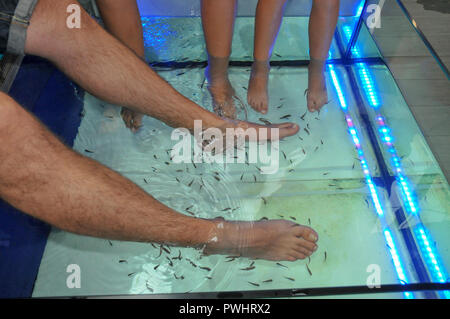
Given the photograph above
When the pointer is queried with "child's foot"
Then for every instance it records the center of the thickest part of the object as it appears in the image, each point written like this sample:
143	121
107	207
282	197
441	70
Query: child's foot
220	88
317	95
257	95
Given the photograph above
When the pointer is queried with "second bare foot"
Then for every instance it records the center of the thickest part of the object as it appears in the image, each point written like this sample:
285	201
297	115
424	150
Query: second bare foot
271	240
257	95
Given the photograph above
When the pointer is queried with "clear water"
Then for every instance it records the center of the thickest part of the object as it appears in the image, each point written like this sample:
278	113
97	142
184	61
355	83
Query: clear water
320	181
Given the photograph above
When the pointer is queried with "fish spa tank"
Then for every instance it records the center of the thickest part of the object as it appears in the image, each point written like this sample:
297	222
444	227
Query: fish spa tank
359	172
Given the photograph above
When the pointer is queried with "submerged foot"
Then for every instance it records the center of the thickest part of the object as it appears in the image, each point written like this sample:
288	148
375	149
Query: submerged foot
316	94
132	119
220	88
257	96
271	240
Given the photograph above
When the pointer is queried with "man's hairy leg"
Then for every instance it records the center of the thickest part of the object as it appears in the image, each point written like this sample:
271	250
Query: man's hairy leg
44	178
109	70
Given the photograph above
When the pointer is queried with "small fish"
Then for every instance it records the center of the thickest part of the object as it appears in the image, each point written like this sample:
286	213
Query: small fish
165	249
284	154
280	215
148	287
278	55
264	200
170	262
245	88
291	170
191	262
303	150
205	268
181	277
145	181
254	176
167	163
123	261
253	283
131	274
155	156
225	209
309	270
303	116
292	217
190	184
306	130
264	218
160	251
88	151
280	106
289	278
353	166
252	263
268	280
300	138
281	265
285	117
217	178
156	267
110	243
317	147
248	268
326	173
309	221
179	255
181	73
321	141
242	176
325	256
177	179
208	277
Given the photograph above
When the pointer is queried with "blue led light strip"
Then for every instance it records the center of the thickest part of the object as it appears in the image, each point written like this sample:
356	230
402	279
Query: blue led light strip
369	181
432	259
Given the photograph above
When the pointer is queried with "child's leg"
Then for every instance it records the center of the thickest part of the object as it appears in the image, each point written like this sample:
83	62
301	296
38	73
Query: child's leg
218	23
322	23
269	14
123	21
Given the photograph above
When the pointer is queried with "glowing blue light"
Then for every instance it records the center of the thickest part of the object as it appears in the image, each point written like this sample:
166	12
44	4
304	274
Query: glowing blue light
397	263
409	200
360	9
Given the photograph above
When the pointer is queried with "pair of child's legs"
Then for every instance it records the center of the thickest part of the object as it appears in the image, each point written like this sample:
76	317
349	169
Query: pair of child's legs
218	23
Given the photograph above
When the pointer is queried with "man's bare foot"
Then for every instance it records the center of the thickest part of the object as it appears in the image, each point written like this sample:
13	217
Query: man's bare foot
271	240
257	95
316	94
132	119
222	92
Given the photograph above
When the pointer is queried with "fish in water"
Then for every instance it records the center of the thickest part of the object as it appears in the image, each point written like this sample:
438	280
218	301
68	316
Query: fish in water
265	121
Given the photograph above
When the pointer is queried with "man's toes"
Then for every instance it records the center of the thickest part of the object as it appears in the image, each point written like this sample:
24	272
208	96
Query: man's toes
306	233
297	254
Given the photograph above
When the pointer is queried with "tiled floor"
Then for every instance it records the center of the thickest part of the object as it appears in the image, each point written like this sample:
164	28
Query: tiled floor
421	80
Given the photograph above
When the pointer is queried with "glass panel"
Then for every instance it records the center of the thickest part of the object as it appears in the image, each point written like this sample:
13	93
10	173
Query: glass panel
359	172
181	39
